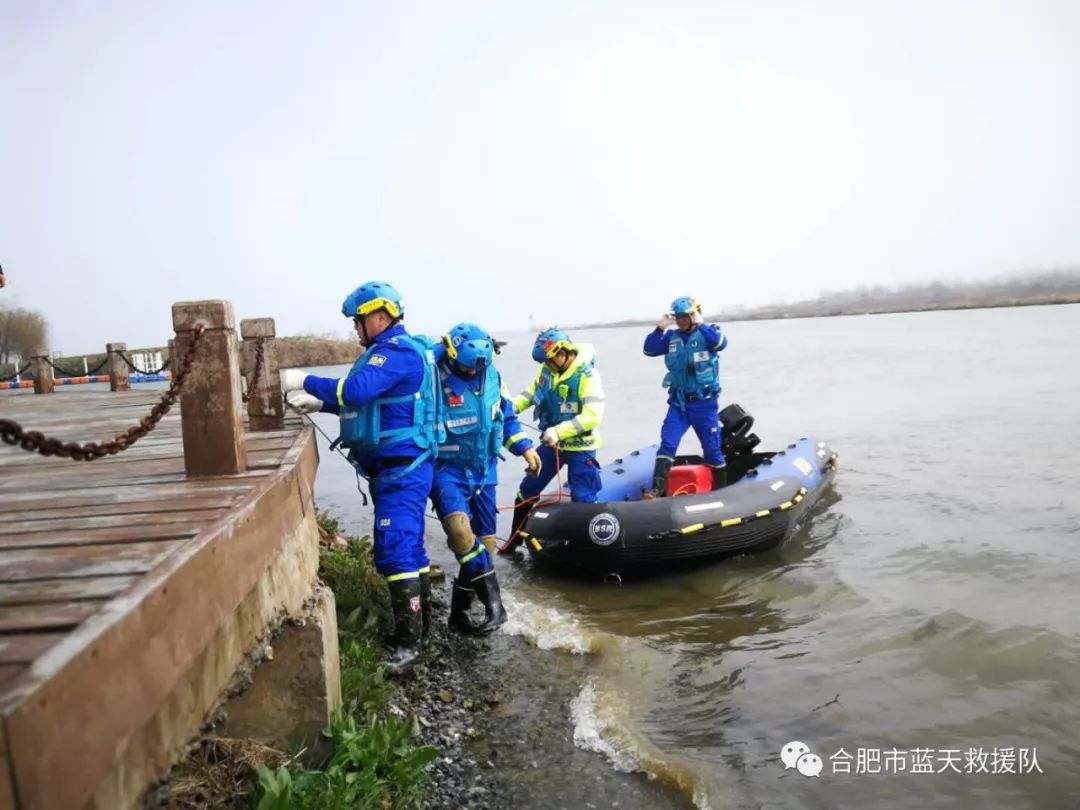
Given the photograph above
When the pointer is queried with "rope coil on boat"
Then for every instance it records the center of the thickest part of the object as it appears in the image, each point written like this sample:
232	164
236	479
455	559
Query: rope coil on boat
34	441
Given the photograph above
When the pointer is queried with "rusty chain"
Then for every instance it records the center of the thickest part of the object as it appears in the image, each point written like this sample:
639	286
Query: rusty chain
258	368
13	434
18	373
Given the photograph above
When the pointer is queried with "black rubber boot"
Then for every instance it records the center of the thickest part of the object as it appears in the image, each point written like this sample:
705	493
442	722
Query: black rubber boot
408	625
659	478
719	476
460	602
487	588
521	515
425	610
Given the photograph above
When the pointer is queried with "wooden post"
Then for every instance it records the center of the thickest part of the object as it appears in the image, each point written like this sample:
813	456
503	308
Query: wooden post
43	372
265	409
172	356
211	417
119	373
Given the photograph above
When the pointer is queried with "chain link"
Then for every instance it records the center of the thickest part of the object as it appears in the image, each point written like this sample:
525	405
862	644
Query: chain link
13	434
18	373
104	362
137	370
258	368
63	372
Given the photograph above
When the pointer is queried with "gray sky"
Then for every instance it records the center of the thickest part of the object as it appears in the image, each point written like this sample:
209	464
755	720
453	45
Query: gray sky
574	161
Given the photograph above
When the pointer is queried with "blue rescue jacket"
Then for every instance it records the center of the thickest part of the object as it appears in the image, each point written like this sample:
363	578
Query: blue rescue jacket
692	362
394	426
473	418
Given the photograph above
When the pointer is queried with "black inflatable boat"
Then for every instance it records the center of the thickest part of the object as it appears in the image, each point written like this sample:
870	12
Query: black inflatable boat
623	535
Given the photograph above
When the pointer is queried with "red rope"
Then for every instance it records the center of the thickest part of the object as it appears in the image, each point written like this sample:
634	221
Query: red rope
512	541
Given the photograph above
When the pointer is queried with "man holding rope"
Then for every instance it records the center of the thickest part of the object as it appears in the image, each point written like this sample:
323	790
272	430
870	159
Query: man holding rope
568	397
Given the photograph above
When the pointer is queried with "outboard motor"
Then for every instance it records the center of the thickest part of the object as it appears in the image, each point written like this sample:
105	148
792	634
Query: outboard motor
738	440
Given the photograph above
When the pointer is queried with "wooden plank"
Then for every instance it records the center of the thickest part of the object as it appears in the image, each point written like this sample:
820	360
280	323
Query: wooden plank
20	565
195	517
88	538
72	713
121	466
146	484
50	616
164	447
7	778
44	508
23	649
48	590
8	673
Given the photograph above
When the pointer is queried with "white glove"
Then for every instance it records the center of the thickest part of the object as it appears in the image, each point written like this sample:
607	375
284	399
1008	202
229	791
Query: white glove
550	437
696	318
304	403
665	322
292	379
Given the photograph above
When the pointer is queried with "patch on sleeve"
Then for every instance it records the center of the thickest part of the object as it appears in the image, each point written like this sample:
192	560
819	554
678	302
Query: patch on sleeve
377	359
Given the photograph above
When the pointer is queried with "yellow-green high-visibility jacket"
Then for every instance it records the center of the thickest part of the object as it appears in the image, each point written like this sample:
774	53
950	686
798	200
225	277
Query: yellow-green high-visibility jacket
572	402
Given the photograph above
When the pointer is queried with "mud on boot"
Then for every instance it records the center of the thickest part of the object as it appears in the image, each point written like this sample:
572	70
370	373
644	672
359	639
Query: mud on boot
522	510
406	603
487	588
426	607
661	469
460	601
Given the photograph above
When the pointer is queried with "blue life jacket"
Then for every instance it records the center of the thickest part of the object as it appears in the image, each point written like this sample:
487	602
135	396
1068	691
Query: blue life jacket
693	368
473	419
361	427
562	402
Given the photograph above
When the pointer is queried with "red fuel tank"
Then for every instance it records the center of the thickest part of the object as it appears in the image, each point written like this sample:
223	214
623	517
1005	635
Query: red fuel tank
689	479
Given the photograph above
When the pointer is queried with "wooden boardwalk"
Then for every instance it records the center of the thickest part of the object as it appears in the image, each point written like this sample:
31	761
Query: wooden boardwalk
114	575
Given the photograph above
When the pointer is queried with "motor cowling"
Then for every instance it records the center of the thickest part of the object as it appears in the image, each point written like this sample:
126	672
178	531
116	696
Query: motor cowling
738	440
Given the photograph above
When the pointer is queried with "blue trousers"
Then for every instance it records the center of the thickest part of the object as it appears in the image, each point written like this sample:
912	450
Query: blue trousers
399	519
584	478
459	489
704	418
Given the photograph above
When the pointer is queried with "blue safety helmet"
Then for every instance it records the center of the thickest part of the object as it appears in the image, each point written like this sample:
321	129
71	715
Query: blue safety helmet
472	353
462	333
549	342
466	331
372	297
684	306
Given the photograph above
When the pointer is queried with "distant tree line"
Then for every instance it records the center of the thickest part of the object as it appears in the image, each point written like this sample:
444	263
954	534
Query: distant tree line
1059	286
22	332
1054	286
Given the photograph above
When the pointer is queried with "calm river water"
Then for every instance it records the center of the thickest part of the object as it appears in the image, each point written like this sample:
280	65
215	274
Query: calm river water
920	633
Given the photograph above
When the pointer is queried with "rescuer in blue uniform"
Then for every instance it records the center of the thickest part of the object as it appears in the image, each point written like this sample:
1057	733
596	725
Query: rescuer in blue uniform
480	421
390	422
568	397
693	380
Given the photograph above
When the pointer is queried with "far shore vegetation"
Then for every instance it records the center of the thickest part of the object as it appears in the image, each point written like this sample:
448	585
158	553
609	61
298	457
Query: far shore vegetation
1051	287
22	331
